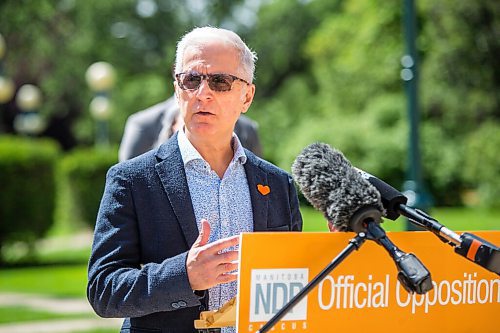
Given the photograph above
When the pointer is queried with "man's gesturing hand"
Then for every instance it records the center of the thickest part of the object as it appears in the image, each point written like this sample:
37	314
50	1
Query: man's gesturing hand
207	265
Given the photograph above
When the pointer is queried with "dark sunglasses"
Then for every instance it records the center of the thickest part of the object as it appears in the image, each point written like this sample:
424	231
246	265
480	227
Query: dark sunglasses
216	82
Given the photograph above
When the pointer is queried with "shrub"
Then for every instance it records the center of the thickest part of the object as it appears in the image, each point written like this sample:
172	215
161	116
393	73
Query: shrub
442	161
27	187
84	172
482	166
373	140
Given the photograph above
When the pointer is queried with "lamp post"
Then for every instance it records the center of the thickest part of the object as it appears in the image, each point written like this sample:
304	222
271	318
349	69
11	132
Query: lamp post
6	84
6	89
100	77
413	186
29	122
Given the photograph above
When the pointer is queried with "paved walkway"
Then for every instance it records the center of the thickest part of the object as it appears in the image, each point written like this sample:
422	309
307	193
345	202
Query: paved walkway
55	305
61	306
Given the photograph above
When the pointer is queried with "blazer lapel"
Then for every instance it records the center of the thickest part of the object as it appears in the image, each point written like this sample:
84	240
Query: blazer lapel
256	178
170	169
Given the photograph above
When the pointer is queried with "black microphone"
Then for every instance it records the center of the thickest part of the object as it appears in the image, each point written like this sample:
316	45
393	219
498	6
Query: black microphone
467	245
348	201
391	198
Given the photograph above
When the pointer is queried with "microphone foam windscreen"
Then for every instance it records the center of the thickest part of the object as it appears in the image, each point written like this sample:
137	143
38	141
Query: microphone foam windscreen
331	184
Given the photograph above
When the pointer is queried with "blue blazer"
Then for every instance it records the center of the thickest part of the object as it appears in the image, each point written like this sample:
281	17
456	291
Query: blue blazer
145	228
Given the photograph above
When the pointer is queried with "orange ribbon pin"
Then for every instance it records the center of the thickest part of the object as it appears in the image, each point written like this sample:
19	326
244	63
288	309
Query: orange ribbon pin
263	189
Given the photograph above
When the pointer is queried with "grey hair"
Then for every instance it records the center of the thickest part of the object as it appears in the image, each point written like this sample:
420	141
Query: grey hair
197	35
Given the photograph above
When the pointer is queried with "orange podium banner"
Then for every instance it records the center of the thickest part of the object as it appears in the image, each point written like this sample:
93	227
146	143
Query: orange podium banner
363	292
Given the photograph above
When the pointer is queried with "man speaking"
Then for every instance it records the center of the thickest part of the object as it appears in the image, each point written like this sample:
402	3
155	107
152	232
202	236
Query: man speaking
166	236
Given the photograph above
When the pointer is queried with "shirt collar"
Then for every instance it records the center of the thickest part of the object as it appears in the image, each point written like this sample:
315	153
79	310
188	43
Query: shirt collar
189	152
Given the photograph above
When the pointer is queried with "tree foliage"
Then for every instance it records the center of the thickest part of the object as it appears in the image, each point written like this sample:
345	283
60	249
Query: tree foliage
351	94
327	71
52	43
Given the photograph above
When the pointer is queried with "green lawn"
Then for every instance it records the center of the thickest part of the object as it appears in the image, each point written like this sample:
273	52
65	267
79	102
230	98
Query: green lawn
15	314
57	281
98	330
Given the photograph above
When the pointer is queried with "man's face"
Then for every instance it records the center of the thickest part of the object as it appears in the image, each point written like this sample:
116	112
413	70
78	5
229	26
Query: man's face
208	113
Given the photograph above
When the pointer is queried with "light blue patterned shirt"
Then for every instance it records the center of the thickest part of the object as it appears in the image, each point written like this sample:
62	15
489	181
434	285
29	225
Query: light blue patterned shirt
225	202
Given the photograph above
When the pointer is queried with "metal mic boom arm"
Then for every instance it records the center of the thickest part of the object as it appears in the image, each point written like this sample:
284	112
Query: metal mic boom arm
427	222
470	246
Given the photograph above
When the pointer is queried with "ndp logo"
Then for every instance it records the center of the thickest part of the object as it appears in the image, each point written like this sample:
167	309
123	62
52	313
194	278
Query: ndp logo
271	289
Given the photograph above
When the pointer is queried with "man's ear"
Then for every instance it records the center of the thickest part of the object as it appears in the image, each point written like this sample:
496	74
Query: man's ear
247	97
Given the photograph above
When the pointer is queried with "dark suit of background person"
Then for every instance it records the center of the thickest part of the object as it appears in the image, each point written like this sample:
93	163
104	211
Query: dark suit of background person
147	129
152	262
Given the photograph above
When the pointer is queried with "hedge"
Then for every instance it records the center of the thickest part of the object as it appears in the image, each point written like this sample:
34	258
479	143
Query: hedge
84	172
27	187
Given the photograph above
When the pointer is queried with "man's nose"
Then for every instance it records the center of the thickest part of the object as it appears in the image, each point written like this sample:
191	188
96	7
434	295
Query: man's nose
204	91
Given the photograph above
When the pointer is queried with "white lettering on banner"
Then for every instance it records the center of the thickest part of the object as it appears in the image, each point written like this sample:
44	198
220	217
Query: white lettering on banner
343	292
271	289
466	291
284	326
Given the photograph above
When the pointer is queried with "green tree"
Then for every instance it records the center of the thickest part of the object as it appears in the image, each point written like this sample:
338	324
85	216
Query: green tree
327	70
286	87
52	43
348	91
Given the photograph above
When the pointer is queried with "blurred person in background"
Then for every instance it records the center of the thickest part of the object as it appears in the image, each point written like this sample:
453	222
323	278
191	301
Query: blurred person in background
167	231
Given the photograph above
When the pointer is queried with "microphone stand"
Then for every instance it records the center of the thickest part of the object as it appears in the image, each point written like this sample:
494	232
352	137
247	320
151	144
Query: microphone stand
412	274
354	244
